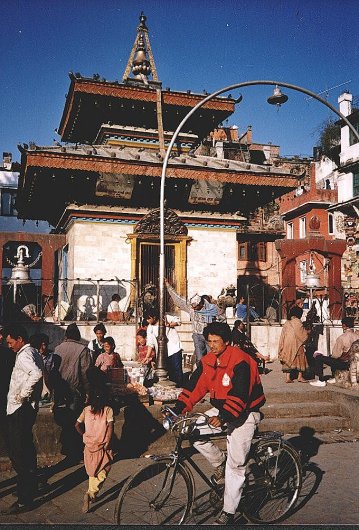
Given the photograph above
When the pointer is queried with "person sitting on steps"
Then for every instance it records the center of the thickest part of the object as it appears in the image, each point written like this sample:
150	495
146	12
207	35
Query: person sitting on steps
339	359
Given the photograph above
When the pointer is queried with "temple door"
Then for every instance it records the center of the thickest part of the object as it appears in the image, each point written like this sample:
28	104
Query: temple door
149	267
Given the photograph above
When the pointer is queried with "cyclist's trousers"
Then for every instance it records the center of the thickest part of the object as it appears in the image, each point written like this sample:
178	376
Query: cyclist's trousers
238	446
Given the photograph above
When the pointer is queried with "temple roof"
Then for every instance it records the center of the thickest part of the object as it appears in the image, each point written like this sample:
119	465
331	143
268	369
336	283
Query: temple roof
55	176
145	161
93	102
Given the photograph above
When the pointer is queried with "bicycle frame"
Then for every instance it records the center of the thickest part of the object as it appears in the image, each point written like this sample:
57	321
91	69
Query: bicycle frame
179	458
267	496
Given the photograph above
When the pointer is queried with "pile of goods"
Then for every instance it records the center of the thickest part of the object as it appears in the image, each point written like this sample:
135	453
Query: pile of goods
164	393
127	380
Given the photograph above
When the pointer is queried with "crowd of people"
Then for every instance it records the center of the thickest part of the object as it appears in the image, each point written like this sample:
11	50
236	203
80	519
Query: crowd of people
298	347
74	377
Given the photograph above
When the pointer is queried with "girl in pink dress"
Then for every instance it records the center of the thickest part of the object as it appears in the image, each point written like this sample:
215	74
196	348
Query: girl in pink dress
95	423
145	354
109	358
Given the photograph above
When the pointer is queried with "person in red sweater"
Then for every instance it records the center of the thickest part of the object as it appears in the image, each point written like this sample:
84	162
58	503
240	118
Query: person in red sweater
232	379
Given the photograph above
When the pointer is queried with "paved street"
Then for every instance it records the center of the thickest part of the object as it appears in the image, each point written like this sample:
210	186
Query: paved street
329	495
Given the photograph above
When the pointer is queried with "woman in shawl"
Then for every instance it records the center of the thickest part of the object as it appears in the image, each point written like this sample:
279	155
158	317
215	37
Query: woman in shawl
291	351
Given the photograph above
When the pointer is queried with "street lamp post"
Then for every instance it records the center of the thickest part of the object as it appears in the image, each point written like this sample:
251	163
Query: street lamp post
277	99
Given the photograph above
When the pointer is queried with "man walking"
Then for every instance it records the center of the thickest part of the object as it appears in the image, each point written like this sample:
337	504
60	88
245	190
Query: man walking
232	379
22	406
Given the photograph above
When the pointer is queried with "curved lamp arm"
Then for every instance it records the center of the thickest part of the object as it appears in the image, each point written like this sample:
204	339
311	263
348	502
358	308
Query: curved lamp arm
161	335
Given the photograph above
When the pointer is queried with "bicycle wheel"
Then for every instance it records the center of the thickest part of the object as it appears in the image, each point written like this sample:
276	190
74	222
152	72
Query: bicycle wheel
273	482
158	494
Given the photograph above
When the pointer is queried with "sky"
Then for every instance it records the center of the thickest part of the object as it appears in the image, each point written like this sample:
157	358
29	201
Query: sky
197	44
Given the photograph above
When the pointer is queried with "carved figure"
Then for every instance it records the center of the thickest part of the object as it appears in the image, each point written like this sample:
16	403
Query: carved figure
148	299
227	298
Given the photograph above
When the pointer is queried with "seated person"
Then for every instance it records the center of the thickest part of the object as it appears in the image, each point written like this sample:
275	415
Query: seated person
109	358
239	338
339	359
145	353
241	310
113	311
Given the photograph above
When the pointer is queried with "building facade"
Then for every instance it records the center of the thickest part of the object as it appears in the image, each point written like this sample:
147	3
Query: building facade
102	184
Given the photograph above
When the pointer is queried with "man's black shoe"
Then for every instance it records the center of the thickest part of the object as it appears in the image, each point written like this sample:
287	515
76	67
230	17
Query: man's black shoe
225	518
15	508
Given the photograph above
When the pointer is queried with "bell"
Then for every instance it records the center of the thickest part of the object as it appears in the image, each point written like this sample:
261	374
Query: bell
278	98
19	275
20	272
312	280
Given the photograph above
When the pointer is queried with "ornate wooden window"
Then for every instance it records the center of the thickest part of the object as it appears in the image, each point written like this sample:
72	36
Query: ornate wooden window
252	251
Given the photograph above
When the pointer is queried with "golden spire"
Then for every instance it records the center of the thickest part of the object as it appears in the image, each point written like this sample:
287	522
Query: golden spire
141	60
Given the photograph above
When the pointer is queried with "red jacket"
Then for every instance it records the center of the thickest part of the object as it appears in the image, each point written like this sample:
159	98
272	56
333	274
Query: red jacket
233	383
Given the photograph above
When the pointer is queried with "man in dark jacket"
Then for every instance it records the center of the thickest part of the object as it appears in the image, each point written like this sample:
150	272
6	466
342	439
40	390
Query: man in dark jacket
71	362
232	379
7	361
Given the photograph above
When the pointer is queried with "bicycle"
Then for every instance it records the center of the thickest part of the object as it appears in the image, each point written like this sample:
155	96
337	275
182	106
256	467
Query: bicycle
163	492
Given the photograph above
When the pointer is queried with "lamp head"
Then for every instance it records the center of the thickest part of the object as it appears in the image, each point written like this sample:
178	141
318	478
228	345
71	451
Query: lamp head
277	98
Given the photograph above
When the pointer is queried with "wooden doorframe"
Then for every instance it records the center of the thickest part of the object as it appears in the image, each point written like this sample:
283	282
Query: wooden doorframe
180	244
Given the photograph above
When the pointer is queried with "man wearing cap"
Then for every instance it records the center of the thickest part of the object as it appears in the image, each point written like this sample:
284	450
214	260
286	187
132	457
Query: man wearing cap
201	312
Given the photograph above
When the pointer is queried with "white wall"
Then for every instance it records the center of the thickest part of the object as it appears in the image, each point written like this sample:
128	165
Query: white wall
211	260
345	187
99	250
324	169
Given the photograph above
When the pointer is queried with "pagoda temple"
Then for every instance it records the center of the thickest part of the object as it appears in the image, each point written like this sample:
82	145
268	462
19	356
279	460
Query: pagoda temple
99	188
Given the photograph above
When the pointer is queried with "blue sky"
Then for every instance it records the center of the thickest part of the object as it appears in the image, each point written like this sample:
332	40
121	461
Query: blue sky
197	45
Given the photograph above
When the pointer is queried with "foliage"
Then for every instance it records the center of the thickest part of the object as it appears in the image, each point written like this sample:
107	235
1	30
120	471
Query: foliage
329	139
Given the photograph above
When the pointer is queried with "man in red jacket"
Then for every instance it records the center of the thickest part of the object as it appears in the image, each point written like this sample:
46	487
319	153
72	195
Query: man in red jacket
232	379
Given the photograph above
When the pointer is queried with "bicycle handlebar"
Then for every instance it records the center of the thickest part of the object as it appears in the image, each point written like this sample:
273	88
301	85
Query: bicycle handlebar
183	423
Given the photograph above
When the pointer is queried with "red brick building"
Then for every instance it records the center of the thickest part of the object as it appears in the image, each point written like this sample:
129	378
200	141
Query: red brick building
310	246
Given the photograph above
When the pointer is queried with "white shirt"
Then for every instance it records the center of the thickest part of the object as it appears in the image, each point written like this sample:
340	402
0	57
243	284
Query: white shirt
173	344
26	379
90	345
113	307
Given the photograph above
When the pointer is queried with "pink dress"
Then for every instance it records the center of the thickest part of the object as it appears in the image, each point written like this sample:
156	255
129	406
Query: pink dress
96	457
105	361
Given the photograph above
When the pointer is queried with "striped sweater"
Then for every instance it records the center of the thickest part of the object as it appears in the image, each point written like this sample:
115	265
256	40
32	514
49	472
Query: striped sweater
232	381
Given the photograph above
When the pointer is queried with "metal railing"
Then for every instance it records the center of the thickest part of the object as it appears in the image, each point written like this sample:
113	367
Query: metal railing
88	300
70	299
